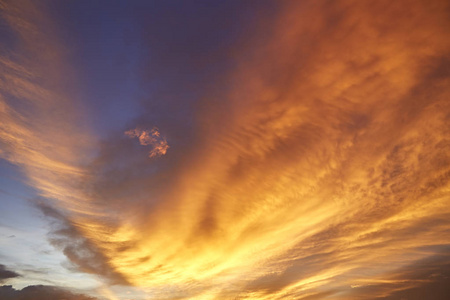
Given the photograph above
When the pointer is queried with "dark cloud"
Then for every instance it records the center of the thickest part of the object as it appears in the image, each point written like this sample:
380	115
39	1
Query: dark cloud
40	292
425	279
84	256
6	274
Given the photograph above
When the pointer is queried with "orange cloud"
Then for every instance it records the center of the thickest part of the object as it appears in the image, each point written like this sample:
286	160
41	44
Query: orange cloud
323	172
41	130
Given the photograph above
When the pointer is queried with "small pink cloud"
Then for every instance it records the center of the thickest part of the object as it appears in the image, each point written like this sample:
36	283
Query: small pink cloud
150	138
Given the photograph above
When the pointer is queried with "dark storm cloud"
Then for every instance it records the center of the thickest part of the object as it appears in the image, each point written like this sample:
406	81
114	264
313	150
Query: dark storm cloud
39	292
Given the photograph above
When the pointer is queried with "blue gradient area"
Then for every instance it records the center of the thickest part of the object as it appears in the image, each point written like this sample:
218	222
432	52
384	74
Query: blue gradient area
15	195
104	52
149	58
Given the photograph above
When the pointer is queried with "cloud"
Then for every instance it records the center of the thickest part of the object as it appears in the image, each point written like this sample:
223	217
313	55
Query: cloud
38	292
82	253
39	120
42	130
6	274
301	174
150	138
34	292
426	278
317	163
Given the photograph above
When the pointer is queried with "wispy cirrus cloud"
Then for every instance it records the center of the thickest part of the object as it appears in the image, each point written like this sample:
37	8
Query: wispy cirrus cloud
301	181
41	130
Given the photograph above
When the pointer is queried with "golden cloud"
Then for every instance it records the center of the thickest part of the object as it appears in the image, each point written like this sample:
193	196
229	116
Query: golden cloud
325	170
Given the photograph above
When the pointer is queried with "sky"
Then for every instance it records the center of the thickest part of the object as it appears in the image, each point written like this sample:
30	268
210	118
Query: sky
224	149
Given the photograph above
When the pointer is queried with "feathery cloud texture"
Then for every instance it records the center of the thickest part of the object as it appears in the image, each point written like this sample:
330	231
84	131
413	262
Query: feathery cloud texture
317	167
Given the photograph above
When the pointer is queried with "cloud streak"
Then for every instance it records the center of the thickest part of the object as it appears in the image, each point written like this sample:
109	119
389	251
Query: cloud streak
40	129
324	158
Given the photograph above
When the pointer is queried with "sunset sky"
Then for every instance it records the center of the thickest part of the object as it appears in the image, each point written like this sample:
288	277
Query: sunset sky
216	150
